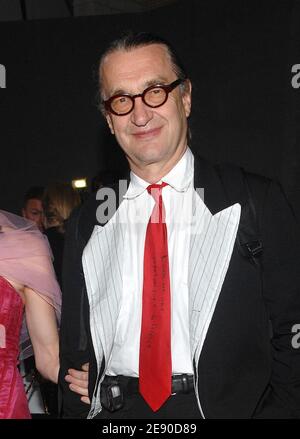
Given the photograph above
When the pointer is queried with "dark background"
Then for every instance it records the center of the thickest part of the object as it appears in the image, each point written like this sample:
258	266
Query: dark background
239	54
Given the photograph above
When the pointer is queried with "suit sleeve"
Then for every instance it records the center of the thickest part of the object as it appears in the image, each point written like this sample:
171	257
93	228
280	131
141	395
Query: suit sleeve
75	348
281	289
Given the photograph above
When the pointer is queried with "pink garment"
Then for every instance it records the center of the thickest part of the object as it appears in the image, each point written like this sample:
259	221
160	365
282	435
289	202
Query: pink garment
25	257
13	401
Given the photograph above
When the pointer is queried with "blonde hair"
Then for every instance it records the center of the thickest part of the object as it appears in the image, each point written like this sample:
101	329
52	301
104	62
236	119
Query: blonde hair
58	202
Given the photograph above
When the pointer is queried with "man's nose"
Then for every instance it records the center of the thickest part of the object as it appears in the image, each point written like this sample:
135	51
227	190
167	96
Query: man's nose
141	113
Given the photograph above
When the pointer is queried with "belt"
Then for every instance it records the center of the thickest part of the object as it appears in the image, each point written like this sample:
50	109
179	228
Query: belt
115	388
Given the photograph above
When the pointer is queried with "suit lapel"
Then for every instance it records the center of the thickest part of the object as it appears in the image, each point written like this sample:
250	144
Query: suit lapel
102	262
213	233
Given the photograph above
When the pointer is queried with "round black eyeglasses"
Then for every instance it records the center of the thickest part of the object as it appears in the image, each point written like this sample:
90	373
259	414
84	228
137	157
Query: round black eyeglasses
153	96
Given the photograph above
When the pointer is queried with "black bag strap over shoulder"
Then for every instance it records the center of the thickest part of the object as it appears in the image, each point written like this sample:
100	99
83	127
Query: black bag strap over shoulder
238	190
251	242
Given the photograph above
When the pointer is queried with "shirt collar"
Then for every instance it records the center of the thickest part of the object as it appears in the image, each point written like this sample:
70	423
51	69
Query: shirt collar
179	178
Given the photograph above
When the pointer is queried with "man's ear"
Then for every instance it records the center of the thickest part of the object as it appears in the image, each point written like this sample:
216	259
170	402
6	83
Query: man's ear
187	97
110	123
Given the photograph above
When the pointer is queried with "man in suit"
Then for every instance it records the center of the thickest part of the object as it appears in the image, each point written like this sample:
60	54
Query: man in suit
32	206
184	306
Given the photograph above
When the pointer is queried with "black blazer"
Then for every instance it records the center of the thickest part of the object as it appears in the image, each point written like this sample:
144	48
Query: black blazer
248	367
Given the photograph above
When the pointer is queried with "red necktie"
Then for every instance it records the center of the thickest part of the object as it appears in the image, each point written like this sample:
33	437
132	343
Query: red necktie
155	369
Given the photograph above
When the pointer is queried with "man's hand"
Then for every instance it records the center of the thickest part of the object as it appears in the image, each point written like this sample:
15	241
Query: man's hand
79	381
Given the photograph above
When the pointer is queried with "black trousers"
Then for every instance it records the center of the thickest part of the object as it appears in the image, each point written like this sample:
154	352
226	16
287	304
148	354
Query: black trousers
179	406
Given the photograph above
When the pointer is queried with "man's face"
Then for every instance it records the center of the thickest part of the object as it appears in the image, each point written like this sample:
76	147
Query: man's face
34	212
147	135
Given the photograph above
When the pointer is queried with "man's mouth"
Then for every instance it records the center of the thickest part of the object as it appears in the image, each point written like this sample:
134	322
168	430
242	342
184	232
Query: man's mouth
147	134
